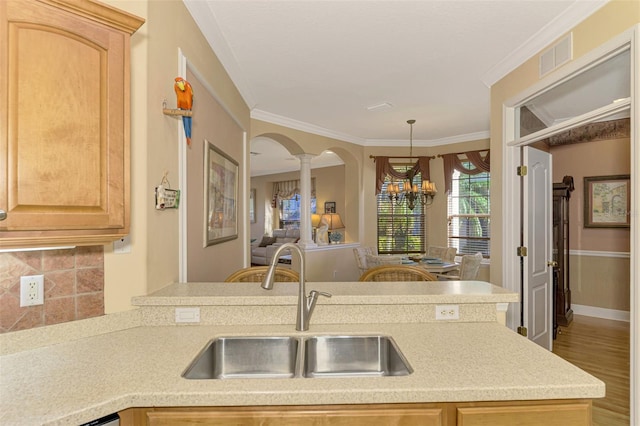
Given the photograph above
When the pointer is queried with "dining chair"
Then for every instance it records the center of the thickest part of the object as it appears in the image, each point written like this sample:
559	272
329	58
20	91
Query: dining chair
397	273
361	256
379	260
450	254
469	267
437	251
255	274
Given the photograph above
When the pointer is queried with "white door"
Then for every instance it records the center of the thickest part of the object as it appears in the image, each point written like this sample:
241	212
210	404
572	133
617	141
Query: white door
537	238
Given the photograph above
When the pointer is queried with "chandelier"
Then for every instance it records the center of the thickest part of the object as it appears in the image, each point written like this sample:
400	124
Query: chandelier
410	192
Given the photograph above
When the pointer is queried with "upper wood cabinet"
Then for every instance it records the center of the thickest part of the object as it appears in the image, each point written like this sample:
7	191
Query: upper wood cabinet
64	122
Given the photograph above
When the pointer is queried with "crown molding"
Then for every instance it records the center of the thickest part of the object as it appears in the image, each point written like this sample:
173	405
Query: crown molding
578	12
203	16
429	142
321	131
304	127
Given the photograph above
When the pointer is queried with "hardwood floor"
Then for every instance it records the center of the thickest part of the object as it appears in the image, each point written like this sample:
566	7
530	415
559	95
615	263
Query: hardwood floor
601	348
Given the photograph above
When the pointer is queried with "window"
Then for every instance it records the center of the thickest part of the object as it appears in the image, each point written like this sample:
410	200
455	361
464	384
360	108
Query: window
468	212
286	195
290	212
400	230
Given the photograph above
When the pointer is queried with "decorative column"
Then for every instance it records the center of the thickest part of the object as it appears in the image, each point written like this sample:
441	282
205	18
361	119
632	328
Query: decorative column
305	203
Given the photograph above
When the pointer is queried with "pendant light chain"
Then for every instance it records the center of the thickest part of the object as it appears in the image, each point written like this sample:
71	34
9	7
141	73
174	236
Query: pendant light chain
410	192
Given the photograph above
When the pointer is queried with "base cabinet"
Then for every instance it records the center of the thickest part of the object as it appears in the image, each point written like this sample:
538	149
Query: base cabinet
543	413
500	413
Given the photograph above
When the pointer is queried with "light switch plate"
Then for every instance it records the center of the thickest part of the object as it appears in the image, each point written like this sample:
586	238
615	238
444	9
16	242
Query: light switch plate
187	314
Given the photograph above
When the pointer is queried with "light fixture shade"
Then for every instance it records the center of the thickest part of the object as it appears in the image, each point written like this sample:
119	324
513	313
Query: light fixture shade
429	187
333	220
315	220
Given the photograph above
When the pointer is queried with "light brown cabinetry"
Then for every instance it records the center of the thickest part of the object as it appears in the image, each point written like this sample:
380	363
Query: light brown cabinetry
503	413
64	122
547	413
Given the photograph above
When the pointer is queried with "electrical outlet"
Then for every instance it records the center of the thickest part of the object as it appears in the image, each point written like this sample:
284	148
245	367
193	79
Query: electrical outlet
31	290
447	312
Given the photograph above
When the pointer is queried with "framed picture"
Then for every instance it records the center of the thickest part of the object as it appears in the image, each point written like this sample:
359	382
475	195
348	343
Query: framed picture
221	195
607	201
330	207
252	206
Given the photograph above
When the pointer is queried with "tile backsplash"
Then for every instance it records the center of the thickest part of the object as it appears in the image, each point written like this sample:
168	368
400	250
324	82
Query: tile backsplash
73	286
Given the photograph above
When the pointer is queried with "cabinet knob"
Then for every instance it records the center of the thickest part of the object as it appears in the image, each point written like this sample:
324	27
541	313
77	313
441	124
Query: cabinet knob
3	215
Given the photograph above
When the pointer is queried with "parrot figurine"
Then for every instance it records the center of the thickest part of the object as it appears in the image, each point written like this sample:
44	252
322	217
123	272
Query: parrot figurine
184	95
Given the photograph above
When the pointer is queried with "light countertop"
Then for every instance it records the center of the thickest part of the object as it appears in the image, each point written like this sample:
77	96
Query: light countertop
77	380
351	302
370	293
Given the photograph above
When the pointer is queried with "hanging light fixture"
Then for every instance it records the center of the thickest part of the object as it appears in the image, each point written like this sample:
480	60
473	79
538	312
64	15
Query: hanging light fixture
409	192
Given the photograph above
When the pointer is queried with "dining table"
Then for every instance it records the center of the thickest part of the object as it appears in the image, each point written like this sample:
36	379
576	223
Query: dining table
435	266
440	268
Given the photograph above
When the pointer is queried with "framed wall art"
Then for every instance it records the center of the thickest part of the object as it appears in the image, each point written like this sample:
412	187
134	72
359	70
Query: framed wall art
607	201
221	195
330	207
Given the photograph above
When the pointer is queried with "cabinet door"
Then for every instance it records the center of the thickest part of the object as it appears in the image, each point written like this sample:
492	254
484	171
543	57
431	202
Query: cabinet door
292	416
64	126
571	414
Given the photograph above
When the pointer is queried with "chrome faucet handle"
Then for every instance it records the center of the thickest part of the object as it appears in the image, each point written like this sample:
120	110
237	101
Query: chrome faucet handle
315	293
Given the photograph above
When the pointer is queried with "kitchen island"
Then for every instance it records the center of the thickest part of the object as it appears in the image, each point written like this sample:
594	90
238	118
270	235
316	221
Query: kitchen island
136	358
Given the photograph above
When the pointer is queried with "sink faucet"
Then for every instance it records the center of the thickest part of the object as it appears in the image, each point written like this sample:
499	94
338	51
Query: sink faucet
306	304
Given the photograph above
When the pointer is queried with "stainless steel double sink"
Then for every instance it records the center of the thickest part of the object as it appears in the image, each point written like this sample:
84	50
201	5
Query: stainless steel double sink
249	357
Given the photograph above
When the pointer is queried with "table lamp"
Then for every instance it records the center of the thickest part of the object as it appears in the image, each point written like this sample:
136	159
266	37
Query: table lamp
334	221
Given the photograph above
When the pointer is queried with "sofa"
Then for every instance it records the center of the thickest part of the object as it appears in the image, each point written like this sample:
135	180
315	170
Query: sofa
262	251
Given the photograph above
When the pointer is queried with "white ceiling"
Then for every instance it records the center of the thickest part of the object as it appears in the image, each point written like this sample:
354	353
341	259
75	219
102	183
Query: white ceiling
317	65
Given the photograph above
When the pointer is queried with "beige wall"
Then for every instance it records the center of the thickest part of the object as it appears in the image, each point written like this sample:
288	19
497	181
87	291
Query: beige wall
334	264
298	142
600	158
153	261
600	281
437	212
211	124
612	19
329	187
125	275
596	279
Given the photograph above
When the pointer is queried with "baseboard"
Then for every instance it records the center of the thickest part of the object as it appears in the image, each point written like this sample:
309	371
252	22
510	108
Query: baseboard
604	313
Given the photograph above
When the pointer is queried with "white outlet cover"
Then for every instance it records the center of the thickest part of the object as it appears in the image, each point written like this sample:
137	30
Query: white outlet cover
123	245
447	312
31	290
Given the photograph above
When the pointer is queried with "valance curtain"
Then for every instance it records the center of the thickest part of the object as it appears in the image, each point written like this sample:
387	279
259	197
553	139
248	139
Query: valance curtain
287	189
453	162
384	168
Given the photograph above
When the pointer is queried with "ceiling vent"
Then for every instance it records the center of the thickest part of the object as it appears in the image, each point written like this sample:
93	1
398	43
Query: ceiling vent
558	54
380	106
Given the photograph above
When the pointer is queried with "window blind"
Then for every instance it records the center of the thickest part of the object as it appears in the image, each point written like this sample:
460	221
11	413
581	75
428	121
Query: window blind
469	227
400	230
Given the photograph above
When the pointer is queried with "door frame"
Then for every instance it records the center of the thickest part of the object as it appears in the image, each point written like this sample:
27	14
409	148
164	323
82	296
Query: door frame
511	192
